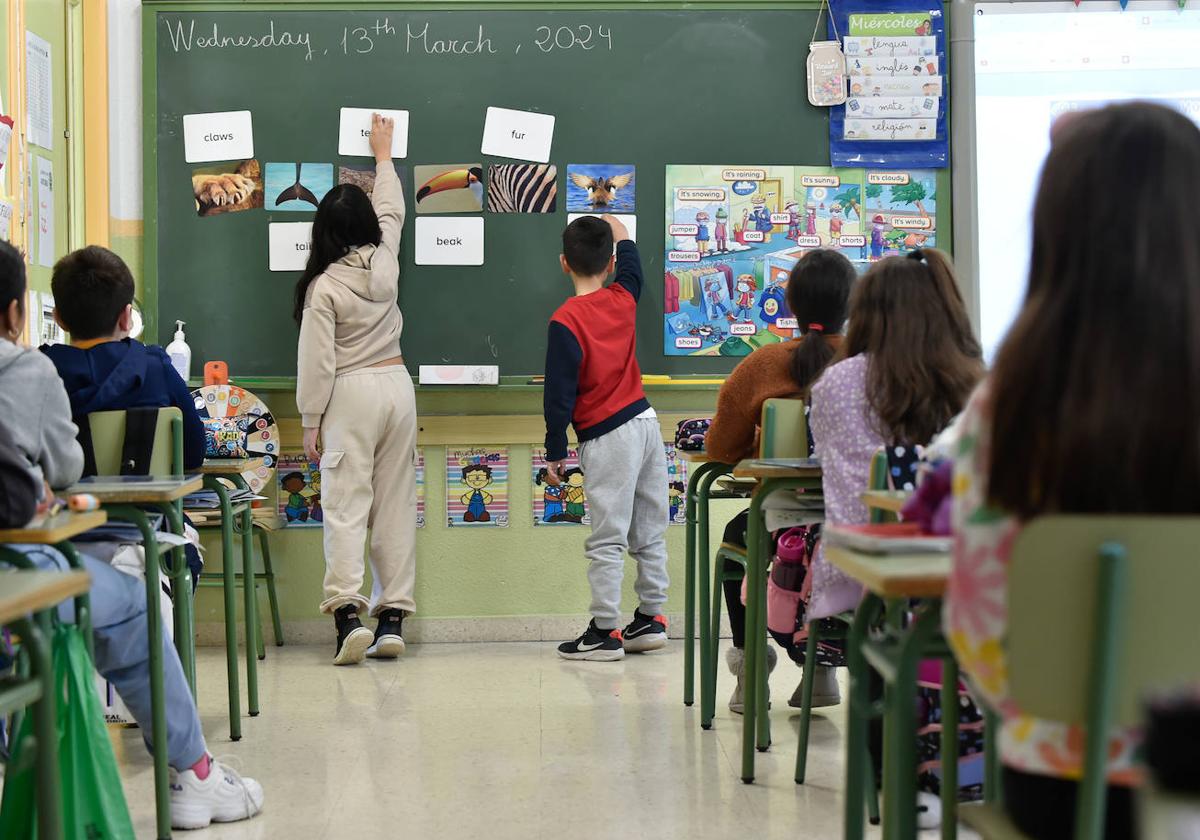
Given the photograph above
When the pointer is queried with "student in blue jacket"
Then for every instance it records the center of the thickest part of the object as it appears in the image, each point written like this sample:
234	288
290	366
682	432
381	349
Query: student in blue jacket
103	368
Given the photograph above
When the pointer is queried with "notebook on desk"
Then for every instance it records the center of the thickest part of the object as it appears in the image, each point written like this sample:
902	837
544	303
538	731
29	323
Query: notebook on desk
888	538
788	463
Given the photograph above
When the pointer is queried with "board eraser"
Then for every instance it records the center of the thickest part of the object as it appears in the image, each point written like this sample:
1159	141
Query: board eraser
459	374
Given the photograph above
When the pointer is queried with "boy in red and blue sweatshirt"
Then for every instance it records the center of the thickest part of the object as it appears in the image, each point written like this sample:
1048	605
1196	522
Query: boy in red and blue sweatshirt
593	382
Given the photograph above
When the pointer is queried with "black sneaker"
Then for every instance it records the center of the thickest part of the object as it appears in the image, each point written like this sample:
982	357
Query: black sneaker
388	643
645	633
595	644
352	638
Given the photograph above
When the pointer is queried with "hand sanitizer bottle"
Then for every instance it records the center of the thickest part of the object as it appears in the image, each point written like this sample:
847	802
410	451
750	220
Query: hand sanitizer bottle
180	354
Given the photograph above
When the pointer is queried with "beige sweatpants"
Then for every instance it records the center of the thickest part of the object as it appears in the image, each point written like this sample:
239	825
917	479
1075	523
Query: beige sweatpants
368	481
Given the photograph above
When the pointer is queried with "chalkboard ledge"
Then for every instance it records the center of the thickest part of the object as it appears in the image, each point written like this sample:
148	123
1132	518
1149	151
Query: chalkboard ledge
508	384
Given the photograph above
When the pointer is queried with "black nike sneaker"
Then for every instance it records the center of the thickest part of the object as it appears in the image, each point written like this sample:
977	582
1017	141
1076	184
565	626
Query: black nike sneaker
645	633
352	638
388	643
595	645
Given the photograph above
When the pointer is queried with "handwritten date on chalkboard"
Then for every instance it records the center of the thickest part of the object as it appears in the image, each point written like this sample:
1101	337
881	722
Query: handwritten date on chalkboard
412	38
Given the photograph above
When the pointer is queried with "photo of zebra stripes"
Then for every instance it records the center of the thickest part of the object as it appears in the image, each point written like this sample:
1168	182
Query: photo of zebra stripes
522	188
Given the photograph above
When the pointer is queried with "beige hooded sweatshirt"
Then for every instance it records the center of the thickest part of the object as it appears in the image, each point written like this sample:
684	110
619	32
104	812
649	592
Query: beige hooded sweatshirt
350	316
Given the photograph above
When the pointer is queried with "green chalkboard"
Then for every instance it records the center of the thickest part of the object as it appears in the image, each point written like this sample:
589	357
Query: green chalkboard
648	84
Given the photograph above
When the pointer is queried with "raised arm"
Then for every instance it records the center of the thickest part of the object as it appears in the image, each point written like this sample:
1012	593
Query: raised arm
628	273
388	195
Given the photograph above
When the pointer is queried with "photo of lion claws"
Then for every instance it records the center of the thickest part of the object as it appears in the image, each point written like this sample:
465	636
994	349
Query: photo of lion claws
226	191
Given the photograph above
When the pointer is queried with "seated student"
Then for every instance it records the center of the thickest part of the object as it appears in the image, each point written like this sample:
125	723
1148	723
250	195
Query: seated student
37	441
1092	407
103	368
818	289
908	364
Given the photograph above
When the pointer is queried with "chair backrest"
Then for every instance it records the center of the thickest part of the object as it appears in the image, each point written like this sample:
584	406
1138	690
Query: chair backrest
784	430
877	479
108	440
1055	632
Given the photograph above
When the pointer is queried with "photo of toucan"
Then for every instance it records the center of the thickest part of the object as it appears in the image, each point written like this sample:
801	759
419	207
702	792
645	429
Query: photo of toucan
455	188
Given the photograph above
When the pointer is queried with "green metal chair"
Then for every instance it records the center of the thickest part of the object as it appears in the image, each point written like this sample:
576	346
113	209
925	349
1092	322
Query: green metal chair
877	480
1091	600
266	578
166	458
784	434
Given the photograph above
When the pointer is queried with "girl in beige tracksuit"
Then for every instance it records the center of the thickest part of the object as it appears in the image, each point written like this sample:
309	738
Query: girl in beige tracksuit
355	393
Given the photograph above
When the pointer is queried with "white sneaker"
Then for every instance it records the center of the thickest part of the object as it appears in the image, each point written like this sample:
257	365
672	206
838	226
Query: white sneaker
929	810
223	797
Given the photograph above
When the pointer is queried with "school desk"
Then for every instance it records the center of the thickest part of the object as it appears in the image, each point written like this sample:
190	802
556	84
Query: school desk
756	730
696	567
239	514
58	530
892	501
121	497
24	594
894	650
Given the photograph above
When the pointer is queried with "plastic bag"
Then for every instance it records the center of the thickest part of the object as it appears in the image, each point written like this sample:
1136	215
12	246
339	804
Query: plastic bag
93	800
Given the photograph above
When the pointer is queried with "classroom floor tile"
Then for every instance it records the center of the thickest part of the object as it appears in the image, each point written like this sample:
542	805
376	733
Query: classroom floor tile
503	741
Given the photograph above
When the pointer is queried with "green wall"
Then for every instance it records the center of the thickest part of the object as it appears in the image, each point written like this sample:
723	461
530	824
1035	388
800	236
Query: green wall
519	570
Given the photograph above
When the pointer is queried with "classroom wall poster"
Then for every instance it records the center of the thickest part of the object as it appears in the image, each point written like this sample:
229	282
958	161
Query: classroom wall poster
565	504
677	478
476	487
734	233
45	211
299	491
39	92
49	332
419	463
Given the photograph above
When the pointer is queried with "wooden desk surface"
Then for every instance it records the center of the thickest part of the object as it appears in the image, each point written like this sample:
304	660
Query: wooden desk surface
230	466
894	575
890	500
155	490
749	469
24	592
690	457
54	529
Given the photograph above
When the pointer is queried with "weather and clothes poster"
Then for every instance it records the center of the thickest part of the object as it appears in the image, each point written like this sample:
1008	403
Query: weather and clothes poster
562	504
734	234
476	487
299	491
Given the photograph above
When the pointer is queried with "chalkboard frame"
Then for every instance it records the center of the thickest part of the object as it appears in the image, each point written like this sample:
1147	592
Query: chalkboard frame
153	8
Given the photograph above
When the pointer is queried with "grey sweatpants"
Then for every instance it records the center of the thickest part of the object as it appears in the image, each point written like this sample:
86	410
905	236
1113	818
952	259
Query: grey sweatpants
626	475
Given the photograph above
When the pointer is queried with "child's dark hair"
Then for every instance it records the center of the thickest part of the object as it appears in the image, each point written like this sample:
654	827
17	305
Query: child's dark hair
1094	398
678	485
587	245
541	476
818	294
571	472
292	476
92	287
345	220
470	468
12	277
908	316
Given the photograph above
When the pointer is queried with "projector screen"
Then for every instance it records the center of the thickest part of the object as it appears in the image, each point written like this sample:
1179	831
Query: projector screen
1032	62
